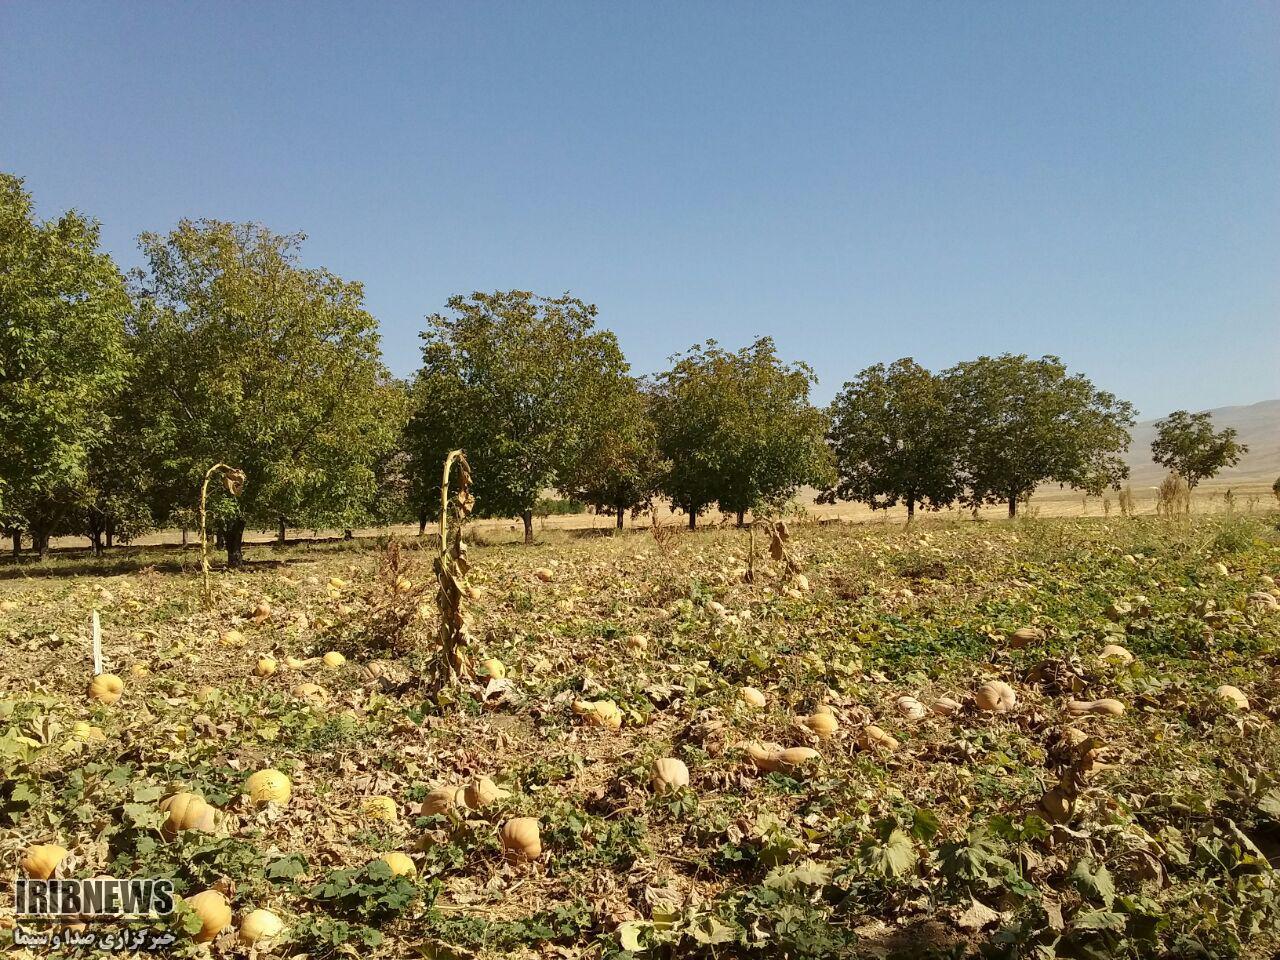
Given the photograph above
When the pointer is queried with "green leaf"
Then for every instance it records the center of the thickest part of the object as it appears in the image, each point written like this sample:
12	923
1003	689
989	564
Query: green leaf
1098	920
631	935
148	793
809	873
893	856
1269	803
924	825
144	815
710	930
288	867
1094	880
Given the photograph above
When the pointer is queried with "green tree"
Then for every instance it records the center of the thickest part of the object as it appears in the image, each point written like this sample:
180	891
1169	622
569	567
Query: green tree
1027	422
619	466
1187	444
63	304
518	381
256	361
118	501
895	439
392	503
738	430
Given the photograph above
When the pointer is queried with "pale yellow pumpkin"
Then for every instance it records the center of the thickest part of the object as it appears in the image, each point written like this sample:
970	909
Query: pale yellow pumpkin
106	688
260	927
995	696
794	760
911	708
1106	707
872	737
751	696
482	792
946	707
1232	696
601	713
822	724
40	861
401	865
214	913
1113	651
268	786
493	668
1025	636
187	811
440	801
764	755
522	838
668	774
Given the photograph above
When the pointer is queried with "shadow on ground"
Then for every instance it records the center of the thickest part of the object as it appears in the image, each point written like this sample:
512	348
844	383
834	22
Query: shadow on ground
73	562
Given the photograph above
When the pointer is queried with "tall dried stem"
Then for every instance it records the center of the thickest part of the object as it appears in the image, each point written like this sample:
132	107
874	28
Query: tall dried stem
451	571
233	479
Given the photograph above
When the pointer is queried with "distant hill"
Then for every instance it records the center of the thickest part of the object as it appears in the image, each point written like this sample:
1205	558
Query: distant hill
1259	427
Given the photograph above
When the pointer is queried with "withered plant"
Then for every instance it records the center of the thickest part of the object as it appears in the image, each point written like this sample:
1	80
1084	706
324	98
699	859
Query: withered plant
452	565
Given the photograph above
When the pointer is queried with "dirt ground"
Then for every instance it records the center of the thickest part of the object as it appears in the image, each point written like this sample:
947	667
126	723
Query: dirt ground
1249	496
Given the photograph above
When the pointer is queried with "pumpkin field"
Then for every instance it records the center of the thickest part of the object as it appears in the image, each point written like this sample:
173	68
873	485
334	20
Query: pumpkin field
1031	738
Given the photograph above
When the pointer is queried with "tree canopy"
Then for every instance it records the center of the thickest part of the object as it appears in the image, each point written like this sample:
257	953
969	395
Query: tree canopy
1029	421
895	438
1187	444
619	466
738	429
256	361
63	304
116	396
521	383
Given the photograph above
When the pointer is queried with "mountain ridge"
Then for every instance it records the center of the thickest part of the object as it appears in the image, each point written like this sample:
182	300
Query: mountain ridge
1258	425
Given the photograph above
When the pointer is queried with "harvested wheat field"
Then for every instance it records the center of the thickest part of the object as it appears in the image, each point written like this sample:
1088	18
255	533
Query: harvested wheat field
1026	739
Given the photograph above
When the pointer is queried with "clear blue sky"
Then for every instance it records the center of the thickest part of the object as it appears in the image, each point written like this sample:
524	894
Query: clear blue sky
861	181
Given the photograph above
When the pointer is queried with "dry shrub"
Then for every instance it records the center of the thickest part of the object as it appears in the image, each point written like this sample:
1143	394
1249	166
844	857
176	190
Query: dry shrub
778	535
664	534
1127	502
387	616
1173	497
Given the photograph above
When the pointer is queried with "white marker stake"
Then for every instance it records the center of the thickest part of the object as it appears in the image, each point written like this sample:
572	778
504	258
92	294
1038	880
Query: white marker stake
97	644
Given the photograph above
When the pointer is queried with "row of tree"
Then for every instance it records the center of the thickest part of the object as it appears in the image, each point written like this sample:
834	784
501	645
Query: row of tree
118	392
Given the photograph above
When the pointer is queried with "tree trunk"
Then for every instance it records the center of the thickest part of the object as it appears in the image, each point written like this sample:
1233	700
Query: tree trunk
527	517
422	523
693	519
40	540
911	508
111	536
280	533
1013	505
184	538
621	512
95	539
233	537
17	542
742	519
